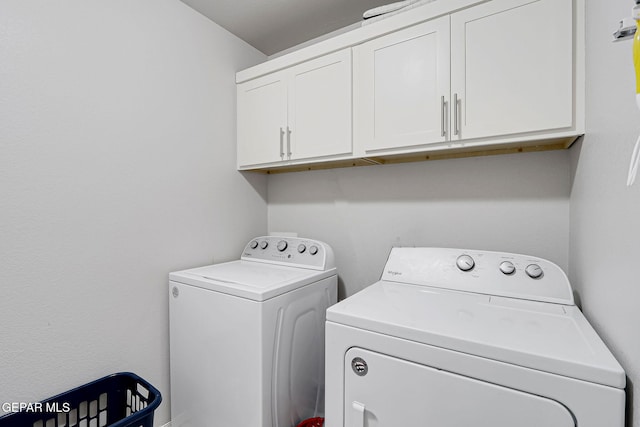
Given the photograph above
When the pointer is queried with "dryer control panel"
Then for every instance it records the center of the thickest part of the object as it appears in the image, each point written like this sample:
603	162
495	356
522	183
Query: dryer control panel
292	251
484	272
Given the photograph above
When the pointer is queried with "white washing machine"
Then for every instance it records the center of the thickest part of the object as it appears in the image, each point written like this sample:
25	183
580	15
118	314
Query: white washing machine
247	336
458	338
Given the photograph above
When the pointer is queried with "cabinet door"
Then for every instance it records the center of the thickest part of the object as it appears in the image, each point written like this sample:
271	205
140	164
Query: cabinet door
320	107
512	68
262	120
402	82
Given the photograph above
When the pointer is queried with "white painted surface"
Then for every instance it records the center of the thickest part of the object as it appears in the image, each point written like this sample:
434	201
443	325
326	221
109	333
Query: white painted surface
399	392
604	212
301	112
575	395
480	272
422	89
320	107
512	68
264	273
262	119
546	337
117	134
516	203
236	361
401	87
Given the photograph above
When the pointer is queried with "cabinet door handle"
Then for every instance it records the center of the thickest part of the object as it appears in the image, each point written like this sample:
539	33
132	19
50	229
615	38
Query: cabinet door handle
455	113
443	111
288	143
282	143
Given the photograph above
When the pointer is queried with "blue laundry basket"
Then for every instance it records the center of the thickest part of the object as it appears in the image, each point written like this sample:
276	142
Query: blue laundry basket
118	400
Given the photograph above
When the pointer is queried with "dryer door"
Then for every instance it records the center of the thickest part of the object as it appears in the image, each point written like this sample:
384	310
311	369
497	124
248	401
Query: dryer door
383	391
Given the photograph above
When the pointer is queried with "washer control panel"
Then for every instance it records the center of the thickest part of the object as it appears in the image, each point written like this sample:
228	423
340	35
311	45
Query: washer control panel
486	272
293	251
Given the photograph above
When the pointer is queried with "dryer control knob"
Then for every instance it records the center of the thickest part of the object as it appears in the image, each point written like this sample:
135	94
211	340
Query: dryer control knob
313	250
301	248
282	245
507	267
465	263
534	271
253	244
264	244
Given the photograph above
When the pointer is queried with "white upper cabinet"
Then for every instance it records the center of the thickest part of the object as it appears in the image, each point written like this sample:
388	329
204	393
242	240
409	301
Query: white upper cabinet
501	68
448	78
320	107
512	68
402	87
262	120
303	112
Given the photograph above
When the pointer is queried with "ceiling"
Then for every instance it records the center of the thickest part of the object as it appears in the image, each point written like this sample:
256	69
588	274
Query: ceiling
275	25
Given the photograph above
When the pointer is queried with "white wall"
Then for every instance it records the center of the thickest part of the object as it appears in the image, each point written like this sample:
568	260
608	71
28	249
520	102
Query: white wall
605	214
117	165
515	203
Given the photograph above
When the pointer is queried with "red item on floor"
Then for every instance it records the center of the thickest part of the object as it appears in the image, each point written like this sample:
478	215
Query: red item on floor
312	422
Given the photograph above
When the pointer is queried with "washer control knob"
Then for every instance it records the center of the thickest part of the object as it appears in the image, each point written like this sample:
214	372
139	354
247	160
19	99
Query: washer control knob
282	245
313	250
507	267
253	244
534	271
465	263
301	248
264	244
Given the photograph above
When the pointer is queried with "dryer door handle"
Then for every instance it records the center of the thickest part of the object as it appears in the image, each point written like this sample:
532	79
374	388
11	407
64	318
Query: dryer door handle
358	414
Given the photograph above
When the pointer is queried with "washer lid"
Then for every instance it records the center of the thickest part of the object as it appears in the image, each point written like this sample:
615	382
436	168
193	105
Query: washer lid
247	279
544	336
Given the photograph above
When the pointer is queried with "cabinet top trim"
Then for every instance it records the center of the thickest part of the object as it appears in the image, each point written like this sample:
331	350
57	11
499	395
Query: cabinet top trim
359	35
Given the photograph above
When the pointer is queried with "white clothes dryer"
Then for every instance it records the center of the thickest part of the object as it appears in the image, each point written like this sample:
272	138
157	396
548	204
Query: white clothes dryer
460	338
247	336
